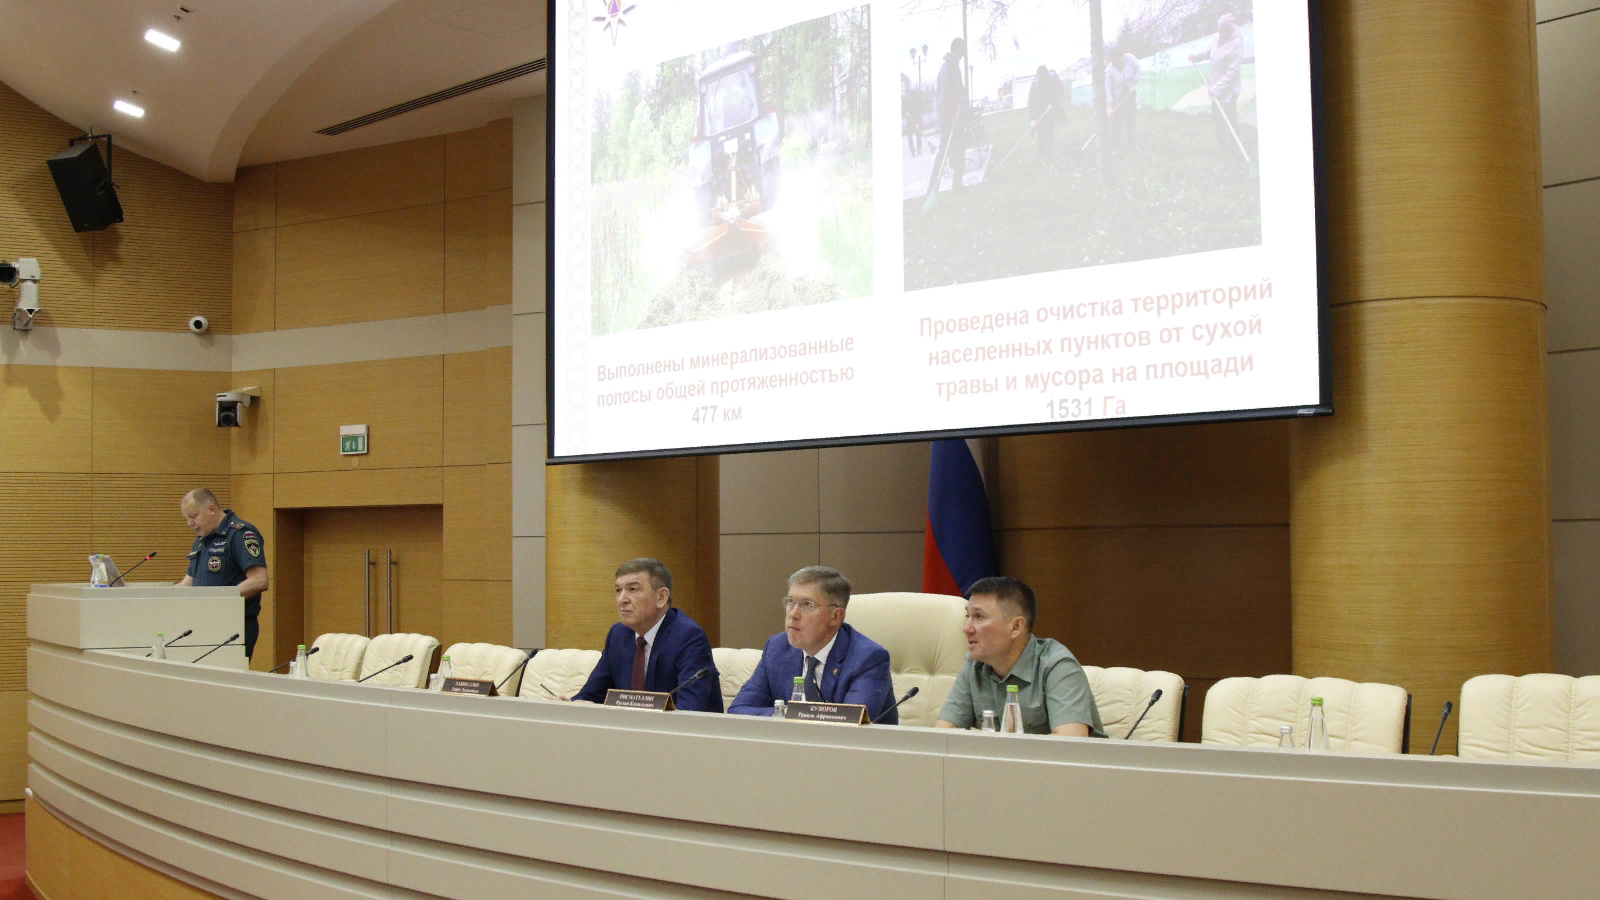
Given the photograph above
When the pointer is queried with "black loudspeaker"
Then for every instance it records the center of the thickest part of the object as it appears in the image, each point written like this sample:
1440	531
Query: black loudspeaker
86	188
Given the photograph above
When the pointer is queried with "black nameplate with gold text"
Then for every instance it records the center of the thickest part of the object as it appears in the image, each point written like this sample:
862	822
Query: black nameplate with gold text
829	713
656	700
468	686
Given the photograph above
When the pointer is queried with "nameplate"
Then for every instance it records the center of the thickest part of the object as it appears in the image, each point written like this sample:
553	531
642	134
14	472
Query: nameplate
830	713
468	686
655	700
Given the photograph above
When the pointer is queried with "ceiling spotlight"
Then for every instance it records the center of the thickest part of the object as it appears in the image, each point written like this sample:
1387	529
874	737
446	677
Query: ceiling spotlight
165	41
128	109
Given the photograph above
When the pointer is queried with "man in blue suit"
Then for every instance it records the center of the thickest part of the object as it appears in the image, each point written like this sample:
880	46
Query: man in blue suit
838	663
654	647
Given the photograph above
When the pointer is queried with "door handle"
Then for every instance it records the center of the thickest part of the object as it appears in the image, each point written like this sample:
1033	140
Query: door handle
389	555
367	570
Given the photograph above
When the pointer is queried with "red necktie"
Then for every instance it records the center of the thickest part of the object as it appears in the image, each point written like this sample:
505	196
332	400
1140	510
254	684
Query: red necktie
639	647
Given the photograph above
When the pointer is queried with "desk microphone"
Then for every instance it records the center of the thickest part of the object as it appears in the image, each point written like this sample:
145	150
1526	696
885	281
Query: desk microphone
219	646
909	694
309	653
1153	698
1442	719
130	569
520	666
404	659
174	640
690	680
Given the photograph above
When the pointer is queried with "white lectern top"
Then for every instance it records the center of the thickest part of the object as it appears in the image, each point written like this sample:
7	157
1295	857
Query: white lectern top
100	618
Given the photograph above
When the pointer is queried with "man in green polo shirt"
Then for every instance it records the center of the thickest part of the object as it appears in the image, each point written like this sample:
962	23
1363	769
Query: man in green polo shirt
1001	650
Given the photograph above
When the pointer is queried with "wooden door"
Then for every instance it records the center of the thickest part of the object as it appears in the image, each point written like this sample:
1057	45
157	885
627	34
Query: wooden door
372	570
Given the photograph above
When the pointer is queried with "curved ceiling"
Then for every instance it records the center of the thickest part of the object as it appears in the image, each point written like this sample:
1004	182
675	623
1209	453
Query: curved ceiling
254	81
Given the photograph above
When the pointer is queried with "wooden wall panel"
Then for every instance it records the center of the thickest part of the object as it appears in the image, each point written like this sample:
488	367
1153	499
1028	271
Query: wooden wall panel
13	744
497	249
1202	602
497	155
400	400
1233	474
383	265
32	136
45	536
251	443
287	584
358	487
497	522
151	278
255	198
465	156
66	262
355	182
466	236
163	198
158	422
45	418
600	514
255	284
65	865
497	404
466	440
134	514
476	611
466	548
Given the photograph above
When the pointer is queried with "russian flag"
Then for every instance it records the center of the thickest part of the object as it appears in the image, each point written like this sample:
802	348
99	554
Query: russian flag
957	546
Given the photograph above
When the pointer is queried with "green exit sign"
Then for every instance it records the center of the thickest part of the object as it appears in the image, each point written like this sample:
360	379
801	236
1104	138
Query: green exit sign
352	440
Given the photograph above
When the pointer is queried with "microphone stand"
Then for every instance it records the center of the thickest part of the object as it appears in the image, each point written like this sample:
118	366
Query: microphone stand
219	646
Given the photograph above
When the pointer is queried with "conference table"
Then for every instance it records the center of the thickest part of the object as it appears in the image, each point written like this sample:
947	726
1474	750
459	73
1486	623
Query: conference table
245	784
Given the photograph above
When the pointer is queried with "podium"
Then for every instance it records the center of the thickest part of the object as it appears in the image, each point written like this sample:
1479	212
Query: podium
82	617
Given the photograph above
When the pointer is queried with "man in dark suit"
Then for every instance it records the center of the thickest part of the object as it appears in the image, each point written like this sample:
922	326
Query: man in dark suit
838	663
654	647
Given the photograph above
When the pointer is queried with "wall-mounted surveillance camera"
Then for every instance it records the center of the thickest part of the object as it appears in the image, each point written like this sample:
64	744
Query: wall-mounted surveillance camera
199	324
24	275
230	404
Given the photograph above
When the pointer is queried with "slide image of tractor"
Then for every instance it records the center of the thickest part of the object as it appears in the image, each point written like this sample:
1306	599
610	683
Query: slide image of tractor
733	163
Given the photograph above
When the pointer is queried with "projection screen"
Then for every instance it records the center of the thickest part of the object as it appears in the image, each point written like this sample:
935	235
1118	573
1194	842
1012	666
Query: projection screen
818	222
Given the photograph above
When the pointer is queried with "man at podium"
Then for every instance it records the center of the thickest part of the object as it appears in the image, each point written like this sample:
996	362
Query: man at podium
227	551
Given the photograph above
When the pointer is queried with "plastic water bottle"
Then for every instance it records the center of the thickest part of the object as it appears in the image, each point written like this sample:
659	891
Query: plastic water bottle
778	707
436	681
158	650
799	693
988	720
1317	734
297	668
1285	737
1011	718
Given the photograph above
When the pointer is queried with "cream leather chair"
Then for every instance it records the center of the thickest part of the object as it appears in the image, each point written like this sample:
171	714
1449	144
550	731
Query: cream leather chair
340	657
562	671
1121	695
1362	718
1532	717
734	666
487	662
386	648
922	633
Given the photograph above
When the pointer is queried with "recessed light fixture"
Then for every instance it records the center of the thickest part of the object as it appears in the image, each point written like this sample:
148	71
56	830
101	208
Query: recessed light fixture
164	41
128	109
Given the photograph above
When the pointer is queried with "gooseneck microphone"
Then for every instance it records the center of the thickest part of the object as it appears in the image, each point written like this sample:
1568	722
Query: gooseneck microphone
520	666
136	565
909	694
219	646
690	680
402	660
174	640
1153	698
1442	719
309	653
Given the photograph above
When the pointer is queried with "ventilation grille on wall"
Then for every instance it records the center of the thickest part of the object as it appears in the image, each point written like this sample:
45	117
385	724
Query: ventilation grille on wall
477	84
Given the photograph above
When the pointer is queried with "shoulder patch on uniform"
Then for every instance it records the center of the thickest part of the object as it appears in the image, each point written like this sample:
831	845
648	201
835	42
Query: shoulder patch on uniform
194	553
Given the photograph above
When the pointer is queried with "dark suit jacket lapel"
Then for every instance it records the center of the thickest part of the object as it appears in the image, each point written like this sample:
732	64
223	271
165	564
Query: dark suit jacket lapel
786	664
829	683
653	667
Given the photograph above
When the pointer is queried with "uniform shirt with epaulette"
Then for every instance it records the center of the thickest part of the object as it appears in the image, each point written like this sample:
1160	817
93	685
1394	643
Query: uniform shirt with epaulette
221	558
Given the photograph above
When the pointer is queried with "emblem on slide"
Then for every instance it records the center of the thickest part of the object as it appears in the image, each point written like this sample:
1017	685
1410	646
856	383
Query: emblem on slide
615	17
214	564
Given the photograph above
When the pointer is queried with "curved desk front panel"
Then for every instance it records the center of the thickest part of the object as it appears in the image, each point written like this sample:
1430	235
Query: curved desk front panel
254	785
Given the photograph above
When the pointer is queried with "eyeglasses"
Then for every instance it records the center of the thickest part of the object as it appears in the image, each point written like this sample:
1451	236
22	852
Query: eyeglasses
807	606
